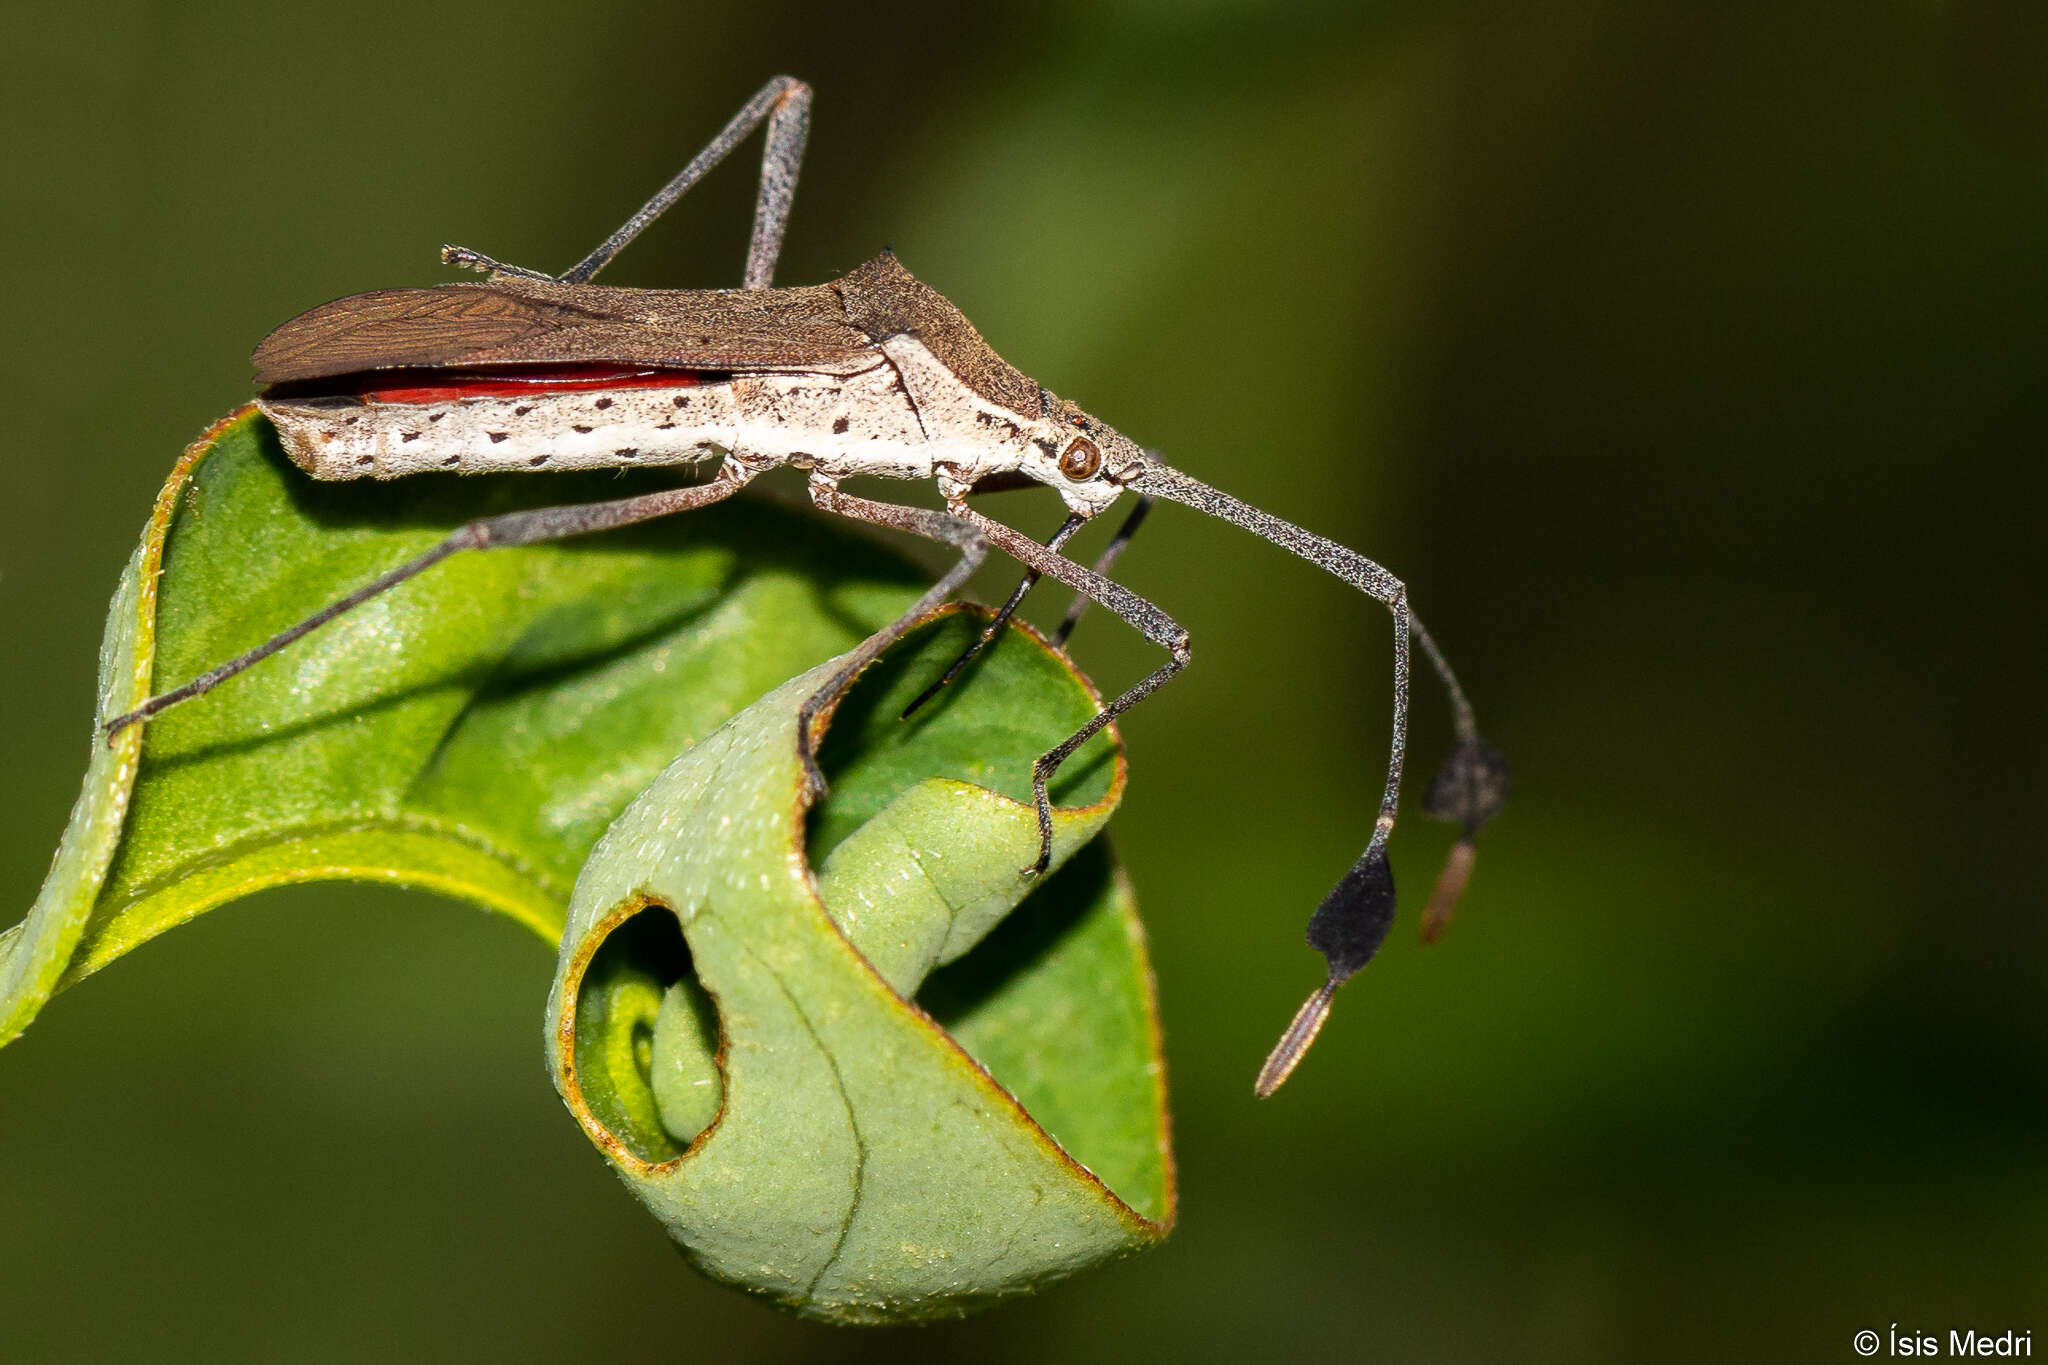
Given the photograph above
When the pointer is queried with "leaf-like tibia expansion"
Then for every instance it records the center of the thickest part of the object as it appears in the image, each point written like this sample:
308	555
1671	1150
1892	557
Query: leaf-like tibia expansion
865	1164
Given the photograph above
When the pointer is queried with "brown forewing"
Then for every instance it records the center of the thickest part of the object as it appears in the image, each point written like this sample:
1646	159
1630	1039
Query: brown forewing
524	322
540	322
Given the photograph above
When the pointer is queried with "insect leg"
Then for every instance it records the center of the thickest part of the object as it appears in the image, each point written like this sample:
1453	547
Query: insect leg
1103	564
782	156
1154	624
1002	618
785	102
918	521
963	527
512	528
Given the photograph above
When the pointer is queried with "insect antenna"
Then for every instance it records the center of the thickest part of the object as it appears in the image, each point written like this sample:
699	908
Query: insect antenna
1294	1043
1352	922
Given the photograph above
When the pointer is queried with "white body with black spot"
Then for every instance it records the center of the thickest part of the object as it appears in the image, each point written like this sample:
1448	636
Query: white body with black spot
903	416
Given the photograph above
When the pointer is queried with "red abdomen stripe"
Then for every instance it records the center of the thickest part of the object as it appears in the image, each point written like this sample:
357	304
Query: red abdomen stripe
446	386
557	379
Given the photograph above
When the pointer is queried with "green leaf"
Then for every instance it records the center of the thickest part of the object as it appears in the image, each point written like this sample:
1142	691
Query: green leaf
740	1038
767	1085
471	733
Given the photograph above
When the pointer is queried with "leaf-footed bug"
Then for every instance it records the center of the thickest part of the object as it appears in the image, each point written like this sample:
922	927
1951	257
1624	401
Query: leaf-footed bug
872	374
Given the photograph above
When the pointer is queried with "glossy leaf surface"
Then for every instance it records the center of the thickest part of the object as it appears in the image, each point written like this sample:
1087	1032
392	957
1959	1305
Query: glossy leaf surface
474	732
471	733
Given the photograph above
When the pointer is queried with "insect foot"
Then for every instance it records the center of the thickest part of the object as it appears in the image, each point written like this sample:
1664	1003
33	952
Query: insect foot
485	265
1041	774
816	788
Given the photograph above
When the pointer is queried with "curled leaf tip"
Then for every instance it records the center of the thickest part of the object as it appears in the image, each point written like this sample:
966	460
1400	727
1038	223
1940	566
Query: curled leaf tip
836	1057
883	1090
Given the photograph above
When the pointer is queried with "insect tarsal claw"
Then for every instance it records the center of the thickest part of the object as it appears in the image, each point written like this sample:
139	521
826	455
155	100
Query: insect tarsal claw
816	788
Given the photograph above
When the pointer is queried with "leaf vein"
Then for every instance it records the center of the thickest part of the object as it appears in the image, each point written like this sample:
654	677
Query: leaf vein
860	1146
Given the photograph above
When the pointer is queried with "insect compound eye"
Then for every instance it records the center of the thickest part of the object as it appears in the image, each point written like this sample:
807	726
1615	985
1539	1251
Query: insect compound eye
1081	460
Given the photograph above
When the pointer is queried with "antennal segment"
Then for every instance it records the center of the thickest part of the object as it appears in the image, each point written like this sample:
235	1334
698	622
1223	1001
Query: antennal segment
1294	1043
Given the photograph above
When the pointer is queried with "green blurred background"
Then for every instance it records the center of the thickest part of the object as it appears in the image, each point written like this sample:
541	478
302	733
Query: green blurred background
1685	360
